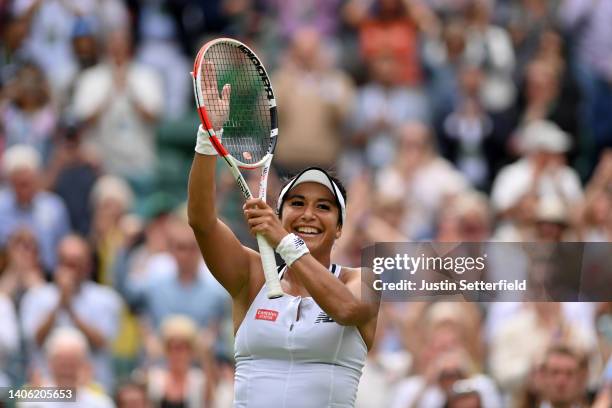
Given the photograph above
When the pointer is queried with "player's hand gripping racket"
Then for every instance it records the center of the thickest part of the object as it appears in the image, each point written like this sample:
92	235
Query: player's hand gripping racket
237	108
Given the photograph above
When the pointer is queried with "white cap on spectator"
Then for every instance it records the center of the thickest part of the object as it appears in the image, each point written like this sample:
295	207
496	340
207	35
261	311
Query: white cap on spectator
444	311
19	157
551	209
66	338
543	135
112	187
178	327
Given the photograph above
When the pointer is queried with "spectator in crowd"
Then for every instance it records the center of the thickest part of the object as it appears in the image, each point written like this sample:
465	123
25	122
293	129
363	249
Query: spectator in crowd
565	372
24	203
121	100
387	363
552	221
159	49
149	258
465	218
442	327
111	198
467	132
434	387
13	32
513	355
28	115
596	221
445	51
73	300
9	338
464	395
50	29
391	28
180	383
317	99
422	177
293	15
23	270
541	173
588	23
355	237
71	173
67	354
374	217
86	49
547	95
529	396
490	47
527	22
382	104
132	394
111	230
187	289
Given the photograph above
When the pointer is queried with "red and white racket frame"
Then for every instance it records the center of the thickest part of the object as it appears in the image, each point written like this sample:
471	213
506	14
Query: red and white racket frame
266	252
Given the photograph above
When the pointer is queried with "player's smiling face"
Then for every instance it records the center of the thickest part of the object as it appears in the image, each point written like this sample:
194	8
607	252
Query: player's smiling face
310	211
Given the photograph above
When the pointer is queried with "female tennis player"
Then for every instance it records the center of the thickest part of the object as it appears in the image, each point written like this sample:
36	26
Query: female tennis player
307	348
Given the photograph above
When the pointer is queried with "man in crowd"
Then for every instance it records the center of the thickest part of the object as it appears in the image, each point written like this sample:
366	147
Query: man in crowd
24	203
565	372
185	288
73	300
67	355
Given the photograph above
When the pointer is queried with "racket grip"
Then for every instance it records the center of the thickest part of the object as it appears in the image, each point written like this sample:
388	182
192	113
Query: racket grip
269	267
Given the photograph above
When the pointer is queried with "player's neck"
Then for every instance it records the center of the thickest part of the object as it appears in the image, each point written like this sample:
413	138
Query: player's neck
323	258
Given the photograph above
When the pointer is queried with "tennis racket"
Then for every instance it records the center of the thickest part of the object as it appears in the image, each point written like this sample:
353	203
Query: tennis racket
237	108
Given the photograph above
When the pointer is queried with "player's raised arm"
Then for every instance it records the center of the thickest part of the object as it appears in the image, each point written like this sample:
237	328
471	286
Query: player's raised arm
244	134
227	259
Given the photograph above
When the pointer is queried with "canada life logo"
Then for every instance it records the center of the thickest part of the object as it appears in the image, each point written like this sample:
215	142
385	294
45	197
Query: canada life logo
266	314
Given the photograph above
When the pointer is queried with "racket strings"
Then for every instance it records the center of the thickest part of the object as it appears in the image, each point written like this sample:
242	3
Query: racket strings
247	125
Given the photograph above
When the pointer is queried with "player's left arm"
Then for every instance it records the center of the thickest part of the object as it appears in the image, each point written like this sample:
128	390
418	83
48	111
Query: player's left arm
347	300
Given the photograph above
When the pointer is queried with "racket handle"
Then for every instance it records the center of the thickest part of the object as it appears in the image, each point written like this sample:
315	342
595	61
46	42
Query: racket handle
269	267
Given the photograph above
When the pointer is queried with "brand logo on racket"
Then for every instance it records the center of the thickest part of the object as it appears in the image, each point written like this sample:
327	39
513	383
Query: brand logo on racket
243	187
260	70
266	314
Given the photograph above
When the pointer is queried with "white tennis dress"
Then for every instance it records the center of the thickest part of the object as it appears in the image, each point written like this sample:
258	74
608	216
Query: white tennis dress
290	353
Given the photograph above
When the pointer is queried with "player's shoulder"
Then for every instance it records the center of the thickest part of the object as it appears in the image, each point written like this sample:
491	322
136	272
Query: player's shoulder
347	273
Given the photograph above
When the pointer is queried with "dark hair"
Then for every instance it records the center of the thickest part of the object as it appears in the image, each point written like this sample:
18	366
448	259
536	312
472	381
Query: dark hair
288	179
130	383
565	350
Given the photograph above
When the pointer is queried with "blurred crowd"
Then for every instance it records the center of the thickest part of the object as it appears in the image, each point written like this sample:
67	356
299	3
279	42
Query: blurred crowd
448	120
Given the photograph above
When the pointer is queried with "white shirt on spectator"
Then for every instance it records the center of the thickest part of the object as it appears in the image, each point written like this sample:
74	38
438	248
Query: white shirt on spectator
125	141
98	305
433	397
50	38
515	180
521	340
85	398
424	192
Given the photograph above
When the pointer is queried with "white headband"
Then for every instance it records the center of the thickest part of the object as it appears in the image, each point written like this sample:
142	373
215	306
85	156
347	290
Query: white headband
315	175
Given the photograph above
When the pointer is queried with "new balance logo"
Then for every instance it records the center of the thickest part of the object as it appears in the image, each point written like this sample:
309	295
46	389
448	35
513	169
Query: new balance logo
298	242
324	318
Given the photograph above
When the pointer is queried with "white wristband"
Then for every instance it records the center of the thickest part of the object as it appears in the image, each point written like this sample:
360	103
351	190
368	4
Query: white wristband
291	248
203	144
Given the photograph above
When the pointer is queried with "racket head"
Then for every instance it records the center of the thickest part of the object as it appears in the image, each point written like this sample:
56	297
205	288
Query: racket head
233	92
